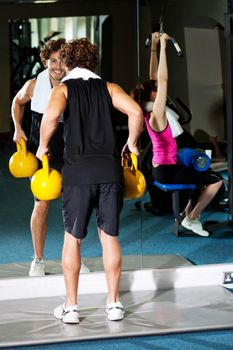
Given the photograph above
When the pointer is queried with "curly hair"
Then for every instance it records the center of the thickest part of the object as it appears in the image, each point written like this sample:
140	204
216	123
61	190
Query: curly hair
80	53
49	47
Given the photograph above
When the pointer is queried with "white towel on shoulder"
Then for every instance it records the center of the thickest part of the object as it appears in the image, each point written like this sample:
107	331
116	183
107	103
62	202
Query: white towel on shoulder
82	73
41	92
172	118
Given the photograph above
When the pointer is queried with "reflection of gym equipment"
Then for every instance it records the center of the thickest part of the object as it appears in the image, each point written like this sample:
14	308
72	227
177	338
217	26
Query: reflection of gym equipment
175	191
159	28
211	226
134	181
199	161
193	158
229	103
46	183
25	60
23	163
161	201
178	106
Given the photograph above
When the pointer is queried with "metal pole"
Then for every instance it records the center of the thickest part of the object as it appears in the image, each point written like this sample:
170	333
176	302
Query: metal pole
229	101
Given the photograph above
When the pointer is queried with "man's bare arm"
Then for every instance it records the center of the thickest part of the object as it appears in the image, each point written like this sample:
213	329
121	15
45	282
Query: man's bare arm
23	96
125	104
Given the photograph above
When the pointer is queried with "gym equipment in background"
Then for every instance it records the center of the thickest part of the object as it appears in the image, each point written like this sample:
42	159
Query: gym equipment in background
194	158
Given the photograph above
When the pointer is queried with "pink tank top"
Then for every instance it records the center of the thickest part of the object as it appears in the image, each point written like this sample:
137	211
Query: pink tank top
163	144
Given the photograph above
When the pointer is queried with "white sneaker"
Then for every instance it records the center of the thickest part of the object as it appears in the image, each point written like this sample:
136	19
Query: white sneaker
84	268
67	314
115	311
37	268
195	226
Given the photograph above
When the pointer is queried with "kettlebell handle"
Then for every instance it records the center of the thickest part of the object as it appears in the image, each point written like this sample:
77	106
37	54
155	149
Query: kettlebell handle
134	162
22	147
45	164
134	159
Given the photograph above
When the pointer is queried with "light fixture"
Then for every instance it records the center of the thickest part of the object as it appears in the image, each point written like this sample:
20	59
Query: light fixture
36	1
43	1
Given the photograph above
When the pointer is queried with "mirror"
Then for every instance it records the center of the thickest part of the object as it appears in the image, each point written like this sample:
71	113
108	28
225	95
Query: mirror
125	60
26	31
196	88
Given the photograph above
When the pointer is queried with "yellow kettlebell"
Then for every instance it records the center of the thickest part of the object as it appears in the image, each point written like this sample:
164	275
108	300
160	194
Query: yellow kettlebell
23	163
134	180
46	183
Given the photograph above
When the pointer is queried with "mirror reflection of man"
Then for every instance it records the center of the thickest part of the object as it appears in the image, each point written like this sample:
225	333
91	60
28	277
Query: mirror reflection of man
37	92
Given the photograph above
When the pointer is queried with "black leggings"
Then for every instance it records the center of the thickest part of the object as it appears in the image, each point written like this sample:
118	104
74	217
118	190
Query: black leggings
180	174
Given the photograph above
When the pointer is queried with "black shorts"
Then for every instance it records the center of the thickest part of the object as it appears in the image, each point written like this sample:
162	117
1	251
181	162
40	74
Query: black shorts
78	202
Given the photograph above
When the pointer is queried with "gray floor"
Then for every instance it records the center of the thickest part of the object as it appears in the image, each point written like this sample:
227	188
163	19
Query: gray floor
129	263
149	311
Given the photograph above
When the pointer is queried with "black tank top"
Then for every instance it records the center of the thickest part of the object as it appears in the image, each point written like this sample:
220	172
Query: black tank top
90	153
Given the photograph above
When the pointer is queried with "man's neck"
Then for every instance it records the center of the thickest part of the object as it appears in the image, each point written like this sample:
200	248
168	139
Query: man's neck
53	82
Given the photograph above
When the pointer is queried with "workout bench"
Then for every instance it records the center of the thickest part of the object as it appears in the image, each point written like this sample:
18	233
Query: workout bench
175	189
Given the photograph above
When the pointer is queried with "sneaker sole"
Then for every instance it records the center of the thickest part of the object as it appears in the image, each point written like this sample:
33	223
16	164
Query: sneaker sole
36	274
116	318
70	321
84	270
197	233
67	317
202	234
71	317
58	314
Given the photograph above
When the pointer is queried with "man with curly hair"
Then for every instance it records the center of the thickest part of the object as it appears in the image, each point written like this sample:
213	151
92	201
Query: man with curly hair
37	91
92	172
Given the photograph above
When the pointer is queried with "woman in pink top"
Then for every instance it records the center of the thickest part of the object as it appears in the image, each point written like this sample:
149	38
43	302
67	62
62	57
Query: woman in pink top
164	160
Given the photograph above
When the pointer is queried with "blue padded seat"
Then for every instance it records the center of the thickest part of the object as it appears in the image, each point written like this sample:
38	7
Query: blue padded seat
175	188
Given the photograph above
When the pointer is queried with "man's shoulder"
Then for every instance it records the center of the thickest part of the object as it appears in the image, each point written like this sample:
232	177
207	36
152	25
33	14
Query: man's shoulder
27	89
30	83
113	88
